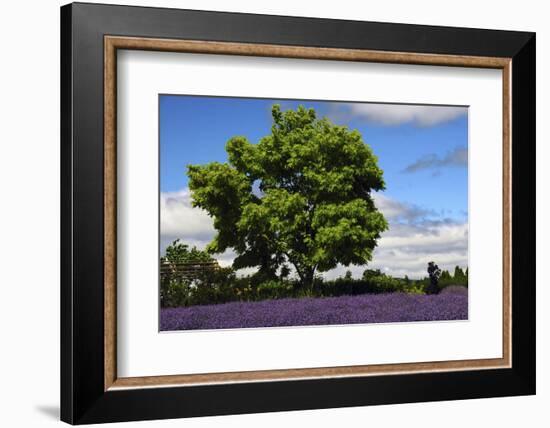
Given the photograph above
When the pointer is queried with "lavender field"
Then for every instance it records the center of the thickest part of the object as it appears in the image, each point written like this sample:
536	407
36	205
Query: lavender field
450	304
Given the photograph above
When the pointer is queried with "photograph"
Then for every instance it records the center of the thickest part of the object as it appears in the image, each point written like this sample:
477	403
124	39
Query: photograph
264	212
292	212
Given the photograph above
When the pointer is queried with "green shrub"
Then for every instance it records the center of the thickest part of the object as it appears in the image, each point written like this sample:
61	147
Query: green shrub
213	286
274	290
222	285
175	292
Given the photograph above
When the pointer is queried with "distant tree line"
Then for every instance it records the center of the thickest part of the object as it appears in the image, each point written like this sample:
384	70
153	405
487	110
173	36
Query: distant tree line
459	277
221	284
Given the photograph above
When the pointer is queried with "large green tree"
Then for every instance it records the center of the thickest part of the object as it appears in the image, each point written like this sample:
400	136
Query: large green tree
301	195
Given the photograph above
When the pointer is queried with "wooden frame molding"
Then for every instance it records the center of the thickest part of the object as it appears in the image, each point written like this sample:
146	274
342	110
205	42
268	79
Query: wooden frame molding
113	43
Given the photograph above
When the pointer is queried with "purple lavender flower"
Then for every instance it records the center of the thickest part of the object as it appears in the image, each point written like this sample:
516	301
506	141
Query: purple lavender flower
450	304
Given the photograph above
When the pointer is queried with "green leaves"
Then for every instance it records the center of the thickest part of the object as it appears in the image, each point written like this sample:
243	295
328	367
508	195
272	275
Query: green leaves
178	252
312	202
221	190
346	233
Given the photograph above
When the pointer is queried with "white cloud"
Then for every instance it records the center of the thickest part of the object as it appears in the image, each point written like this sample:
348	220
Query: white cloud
193	226
398	114
414	237
179	219
407	249
395	210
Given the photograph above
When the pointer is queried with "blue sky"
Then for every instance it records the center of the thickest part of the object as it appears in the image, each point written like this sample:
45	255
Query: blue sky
194	130
421	149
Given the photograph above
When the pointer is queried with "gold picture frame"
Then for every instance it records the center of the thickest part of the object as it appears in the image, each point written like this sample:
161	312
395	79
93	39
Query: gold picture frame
114	43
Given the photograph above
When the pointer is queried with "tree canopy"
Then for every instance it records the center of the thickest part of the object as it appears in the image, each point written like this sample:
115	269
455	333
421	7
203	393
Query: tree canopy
300	196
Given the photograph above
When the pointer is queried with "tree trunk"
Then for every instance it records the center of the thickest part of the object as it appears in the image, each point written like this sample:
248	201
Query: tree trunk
306	275
307	279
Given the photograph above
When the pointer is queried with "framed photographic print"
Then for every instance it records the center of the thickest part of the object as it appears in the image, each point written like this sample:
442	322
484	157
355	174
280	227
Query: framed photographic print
266	213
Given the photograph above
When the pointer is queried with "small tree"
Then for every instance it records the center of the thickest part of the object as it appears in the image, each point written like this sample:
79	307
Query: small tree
302	195
178	252
459	274
175	288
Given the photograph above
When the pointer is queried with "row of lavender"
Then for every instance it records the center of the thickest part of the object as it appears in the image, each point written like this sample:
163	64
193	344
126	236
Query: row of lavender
451	304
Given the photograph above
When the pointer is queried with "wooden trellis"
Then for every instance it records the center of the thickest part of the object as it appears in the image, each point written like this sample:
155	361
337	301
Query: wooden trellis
186	270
